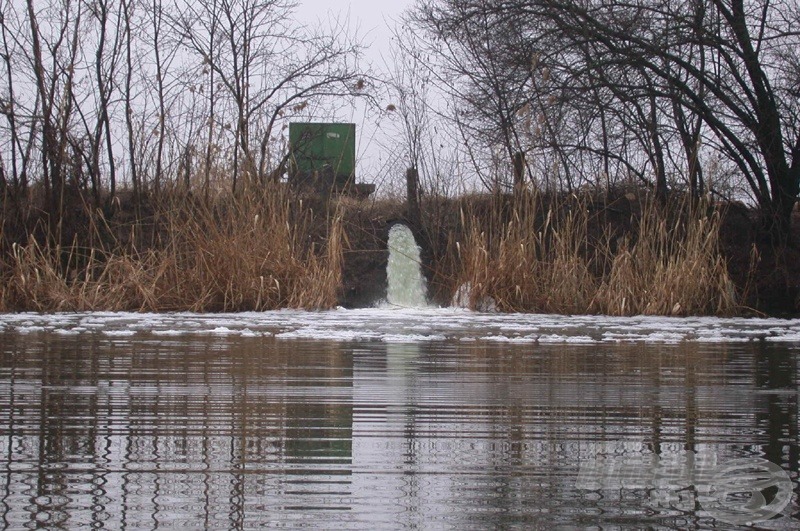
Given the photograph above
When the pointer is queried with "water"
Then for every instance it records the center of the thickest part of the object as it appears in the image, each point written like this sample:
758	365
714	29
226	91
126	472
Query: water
365	419
406	284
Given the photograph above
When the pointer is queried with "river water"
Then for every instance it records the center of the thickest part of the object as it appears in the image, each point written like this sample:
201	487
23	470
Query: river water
388	418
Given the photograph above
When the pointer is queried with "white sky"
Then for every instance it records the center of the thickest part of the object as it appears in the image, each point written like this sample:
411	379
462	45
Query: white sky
372	18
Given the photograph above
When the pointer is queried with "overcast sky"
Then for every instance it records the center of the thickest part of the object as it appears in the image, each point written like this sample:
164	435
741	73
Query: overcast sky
372	18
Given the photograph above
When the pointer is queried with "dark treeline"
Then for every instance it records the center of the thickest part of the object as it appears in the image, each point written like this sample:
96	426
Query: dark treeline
96	94
696	95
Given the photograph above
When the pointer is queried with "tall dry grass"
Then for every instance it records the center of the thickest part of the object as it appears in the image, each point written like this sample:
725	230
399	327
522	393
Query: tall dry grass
532	257
267	249
522	261
673	268
256	251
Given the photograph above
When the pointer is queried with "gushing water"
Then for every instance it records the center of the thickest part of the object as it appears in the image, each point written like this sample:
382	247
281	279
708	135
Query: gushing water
407	285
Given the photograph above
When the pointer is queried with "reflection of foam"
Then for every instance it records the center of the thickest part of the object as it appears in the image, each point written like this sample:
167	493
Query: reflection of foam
392	325
386	396
400	362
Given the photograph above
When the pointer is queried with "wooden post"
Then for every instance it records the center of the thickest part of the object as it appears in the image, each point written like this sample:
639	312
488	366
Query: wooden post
519	170
412	192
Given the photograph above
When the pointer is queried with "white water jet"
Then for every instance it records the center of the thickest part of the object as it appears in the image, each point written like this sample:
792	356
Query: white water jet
407	286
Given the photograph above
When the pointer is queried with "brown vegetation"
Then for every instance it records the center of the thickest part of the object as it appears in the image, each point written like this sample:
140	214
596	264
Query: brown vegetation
559	257
616	254
256	251
120	124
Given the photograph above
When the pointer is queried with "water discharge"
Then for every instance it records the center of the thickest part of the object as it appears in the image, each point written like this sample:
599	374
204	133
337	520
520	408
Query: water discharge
407	286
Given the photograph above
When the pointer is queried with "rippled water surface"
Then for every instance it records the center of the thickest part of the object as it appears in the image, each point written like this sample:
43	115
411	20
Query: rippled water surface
390	419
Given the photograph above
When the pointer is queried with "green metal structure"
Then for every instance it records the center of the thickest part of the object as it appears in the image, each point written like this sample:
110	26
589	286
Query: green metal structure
323	155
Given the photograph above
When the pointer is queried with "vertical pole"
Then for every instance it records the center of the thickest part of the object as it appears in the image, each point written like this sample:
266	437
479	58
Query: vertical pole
412	191
519	170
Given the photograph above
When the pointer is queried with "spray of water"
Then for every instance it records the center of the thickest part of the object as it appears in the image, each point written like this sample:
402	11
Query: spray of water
407	285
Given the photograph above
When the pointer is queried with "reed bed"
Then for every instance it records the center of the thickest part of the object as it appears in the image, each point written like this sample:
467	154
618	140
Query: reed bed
257	251
673	268
268	249
527	256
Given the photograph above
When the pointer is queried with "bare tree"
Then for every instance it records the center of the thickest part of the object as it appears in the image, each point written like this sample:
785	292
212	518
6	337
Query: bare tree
484	70
729	63
101	94
265	66
107	57
19	154
128	40
162	63
53	58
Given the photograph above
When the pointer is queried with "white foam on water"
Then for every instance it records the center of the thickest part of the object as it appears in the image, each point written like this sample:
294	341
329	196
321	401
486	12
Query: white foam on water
788	337
557	338
169	332
665	337
412	325
119	333
511	339
30	329
332	335
411	338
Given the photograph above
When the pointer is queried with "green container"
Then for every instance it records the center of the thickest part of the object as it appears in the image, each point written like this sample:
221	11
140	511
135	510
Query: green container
323	155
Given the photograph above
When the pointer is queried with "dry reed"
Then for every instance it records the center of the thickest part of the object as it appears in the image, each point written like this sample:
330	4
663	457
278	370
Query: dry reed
266	249
673	268
256	251
538	259
527	263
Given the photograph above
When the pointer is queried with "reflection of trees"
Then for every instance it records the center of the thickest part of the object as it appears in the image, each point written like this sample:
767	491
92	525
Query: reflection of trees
776	375
51	418
230	432
646	385
255	415
555	406
135	434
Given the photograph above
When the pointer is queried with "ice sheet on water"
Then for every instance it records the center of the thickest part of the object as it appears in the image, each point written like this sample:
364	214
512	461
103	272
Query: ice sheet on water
410	325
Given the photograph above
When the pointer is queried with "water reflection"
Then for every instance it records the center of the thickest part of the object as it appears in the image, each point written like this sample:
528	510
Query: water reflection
245	432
